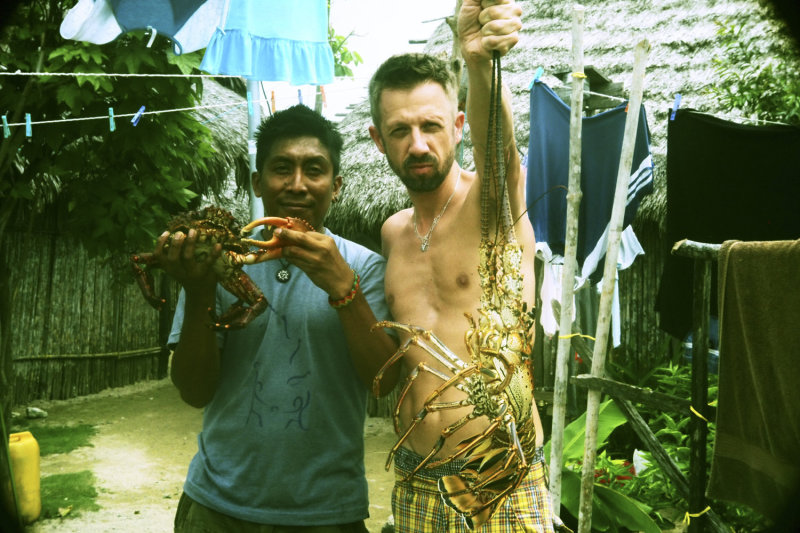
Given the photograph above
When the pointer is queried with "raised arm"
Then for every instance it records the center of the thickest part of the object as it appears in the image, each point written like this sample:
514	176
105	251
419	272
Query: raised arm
485	27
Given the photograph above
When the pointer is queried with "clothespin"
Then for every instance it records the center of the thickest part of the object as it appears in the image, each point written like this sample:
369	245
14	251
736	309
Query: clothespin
28	129
539	72
111	125
152	36
300	96
675	106
6	130
324	99
249	103
273	102
137	116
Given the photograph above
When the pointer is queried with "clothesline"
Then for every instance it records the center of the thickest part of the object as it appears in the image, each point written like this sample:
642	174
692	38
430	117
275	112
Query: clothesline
236	104
116	75
106	117
175	110
726	116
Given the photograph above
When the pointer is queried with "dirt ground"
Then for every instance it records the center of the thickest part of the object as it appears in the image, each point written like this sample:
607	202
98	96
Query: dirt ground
146	437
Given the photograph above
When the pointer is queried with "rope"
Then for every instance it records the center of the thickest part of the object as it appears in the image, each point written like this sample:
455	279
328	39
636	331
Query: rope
105	117
116	75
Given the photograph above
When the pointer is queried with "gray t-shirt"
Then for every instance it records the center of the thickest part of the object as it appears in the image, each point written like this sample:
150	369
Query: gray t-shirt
282	439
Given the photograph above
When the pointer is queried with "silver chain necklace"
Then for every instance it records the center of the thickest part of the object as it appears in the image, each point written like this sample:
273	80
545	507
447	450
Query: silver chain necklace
427	238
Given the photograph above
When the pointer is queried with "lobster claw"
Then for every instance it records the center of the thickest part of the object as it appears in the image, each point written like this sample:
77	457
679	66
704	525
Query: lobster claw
272	248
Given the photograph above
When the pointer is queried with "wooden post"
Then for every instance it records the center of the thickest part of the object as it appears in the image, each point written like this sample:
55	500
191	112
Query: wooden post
609	274
570	263
698	427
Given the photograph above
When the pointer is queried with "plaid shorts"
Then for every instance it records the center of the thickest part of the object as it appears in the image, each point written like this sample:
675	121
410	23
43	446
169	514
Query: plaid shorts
418	507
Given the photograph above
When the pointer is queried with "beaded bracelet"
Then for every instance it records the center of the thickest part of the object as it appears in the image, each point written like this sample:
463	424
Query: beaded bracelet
338	304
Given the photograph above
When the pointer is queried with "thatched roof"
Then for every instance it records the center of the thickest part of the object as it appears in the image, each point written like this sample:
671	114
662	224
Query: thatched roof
227	174
684	41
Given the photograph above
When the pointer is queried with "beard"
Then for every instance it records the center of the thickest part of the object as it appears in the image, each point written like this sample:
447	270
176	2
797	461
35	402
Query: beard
423	184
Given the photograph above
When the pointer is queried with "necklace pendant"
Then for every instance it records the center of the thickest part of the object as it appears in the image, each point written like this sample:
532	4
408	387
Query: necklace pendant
283	275
423	247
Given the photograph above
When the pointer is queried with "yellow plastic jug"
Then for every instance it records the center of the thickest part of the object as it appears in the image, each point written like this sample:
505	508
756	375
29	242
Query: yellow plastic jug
24	452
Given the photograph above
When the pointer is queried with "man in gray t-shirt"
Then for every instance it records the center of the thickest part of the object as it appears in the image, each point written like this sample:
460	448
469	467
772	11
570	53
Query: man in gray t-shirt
285	397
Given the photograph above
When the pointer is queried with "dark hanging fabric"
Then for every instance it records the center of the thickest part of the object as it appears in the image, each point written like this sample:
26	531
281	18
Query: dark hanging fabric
724	181
758	418
548	168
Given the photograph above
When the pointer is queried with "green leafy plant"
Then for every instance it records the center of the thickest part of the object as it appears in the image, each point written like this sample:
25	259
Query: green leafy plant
111	191
342	55
766	88
611	509
650	485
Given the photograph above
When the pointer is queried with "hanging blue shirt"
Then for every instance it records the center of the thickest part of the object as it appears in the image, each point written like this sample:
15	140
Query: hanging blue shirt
548	167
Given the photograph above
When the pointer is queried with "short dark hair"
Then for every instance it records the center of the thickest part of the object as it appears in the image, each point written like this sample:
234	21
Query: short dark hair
298	121
406	71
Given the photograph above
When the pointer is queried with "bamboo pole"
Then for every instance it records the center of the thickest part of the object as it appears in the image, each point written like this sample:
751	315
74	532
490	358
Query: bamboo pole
609	274
570	263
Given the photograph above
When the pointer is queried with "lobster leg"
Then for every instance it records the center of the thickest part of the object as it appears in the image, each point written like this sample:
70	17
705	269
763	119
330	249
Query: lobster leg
430	406
422	367
145	279
428	342
238	315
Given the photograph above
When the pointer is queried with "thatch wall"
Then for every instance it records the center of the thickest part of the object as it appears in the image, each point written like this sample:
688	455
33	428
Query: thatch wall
684	40
75	330
79	324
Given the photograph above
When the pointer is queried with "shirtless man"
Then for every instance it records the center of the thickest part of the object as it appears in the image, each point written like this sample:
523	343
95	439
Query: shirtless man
432	248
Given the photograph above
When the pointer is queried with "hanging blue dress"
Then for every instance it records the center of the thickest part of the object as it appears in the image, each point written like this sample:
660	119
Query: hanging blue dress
273	40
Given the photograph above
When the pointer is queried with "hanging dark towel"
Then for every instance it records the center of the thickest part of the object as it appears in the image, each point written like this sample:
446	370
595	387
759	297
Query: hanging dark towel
755	459
724	181
548	167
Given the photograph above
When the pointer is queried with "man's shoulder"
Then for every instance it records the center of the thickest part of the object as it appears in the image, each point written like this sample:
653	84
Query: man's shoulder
353	251
396	221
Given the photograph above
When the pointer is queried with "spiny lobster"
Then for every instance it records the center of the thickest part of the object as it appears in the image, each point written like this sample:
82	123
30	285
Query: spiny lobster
214	225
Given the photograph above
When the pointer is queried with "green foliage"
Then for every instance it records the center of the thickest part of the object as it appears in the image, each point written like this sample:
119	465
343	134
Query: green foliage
747	81
651	485
67	495
114	190
611	510
342	55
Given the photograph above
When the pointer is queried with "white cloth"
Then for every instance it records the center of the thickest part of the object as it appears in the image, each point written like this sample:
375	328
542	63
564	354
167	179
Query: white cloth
629	249
92	21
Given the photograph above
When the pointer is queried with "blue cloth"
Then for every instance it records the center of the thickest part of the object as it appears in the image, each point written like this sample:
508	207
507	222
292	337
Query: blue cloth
273	40
167	16
548	167
282	439
188	23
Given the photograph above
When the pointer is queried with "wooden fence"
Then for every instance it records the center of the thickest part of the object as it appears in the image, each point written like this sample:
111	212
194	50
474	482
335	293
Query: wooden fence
78	324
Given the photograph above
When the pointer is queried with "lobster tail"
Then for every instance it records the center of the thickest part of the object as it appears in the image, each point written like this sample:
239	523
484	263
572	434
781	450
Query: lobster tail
456	493
475	494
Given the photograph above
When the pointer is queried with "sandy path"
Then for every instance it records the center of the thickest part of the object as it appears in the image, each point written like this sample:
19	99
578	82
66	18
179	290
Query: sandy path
146	438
